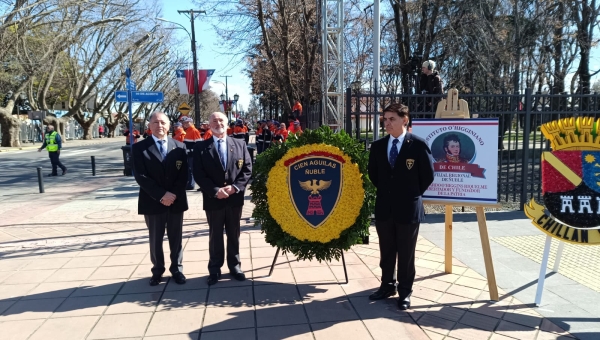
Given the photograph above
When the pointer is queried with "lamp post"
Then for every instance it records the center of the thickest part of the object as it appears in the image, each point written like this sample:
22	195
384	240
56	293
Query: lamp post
235	100
355	85
194	60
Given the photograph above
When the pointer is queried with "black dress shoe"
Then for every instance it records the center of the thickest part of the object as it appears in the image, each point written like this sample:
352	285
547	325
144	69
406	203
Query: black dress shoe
212	279
64	172
404	304
382	293
240	276
52	175
155	280
179	278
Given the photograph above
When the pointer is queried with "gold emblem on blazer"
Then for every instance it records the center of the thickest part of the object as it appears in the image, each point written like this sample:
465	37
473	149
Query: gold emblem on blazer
240	162
409	163
178	164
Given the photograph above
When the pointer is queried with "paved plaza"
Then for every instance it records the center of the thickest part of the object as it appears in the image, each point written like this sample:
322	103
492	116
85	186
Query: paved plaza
74	264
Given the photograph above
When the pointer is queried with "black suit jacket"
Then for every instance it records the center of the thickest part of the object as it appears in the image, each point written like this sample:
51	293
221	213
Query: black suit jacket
399	189
156	177
210	175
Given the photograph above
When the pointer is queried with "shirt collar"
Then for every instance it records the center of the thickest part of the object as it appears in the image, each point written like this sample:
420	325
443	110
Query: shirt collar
157	139
216	139
400	138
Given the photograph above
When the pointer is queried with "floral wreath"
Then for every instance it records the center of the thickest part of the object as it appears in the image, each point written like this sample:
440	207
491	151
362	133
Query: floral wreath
348	223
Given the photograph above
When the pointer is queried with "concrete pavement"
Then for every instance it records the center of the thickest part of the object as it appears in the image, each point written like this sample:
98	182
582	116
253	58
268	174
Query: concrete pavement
74	264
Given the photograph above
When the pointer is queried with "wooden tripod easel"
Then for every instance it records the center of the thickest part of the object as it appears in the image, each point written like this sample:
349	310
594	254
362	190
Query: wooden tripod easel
452	108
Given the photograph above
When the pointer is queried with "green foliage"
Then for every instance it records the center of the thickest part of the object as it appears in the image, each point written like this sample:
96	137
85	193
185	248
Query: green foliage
306	250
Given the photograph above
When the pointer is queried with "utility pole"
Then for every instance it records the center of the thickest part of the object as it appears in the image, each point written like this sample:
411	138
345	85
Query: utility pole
227	96
195	61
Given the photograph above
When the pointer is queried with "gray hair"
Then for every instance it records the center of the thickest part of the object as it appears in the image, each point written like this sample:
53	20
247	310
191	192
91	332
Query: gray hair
219	114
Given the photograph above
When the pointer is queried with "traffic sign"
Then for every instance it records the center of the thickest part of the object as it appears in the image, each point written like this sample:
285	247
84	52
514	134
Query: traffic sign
131	86
147	96
121	96
184	108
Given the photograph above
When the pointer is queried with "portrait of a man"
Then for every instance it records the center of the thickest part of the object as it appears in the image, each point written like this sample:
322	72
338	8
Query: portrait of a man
452	150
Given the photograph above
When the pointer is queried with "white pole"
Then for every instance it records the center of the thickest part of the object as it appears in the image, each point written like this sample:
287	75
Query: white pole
559	252
376	66
542	278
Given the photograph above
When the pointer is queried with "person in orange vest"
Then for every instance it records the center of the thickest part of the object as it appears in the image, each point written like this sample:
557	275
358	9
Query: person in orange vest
192	135
291	121
280	134
297	128
271	124
297	109
179	133
230	129
147	133
208	133
238	130
246	133
136	136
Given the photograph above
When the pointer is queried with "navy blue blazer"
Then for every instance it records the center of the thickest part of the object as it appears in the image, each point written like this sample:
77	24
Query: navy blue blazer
210	175
399	190
156	176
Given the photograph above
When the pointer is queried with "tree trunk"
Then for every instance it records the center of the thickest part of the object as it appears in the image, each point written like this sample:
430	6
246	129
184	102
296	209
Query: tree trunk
11	130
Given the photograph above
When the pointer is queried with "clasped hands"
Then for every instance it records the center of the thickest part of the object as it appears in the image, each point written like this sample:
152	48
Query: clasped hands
168	199
225	192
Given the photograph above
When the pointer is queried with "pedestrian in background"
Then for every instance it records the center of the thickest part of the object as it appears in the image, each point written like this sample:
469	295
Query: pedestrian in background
430	82
192	135
179	133
160	169
53	144
401	168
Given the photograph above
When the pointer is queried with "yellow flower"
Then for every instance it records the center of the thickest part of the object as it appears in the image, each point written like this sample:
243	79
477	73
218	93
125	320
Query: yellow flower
344	213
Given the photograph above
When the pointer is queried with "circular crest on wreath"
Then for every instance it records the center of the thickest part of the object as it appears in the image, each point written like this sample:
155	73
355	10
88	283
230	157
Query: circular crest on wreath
311	194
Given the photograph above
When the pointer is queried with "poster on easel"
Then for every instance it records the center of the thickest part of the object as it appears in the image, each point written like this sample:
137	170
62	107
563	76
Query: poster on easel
465	153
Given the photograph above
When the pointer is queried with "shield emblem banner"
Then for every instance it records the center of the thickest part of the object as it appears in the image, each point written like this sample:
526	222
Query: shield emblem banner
315	184
571	187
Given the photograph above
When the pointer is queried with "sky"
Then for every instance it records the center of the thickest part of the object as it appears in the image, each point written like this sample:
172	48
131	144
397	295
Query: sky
209	56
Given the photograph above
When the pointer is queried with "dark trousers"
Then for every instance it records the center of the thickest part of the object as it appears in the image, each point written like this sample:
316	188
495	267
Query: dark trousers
55	162
190	183
260	147
227	218
397	240
157	224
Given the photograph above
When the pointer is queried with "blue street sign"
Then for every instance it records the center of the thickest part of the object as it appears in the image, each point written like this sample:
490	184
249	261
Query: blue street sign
121	96
147	96
131	86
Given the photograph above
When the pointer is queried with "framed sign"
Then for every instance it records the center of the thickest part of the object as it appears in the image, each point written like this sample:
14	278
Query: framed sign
465	153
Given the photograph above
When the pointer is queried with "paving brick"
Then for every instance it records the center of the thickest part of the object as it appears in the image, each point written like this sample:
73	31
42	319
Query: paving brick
280	314
227	318
340	330
83	306
175	322
330	310
19	330
435	324
479	321
466	332
290	332
236	334
237	296
516	331
31	309
277	293
65	328
121	326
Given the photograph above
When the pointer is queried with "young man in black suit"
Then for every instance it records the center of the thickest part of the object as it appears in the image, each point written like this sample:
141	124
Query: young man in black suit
160	168
401	167
222	169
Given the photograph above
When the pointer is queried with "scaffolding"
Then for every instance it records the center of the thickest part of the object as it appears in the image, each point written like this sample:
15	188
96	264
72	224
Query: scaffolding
332	44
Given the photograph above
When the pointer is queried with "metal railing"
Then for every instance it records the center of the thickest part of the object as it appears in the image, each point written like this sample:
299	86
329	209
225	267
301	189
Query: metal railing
520	142
30	131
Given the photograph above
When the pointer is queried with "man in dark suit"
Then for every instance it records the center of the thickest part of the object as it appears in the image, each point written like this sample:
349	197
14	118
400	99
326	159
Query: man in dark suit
222	169
160	168
401	167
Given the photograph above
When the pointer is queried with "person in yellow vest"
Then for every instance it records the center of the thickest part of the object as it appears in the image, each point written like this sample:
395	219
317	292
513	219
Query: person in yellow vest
53	144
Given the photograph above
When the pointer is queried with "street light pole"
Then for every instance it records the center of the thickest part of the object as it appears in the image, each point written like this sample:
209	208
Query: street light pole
195	61
227	97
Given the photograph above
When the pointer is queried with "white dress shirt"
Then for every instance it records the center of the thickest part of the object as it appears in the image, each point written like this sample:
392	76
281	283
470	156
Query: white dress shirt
165	143
223	147
398	146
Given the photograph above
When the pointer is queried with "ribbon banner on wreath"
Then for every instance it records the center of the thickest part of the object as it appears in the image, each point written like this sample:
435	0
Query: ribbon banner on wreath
570	182
311	197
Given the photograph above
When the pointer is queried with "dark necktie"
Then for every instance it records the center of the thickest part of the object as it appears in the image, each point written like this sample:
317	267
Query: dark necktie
221	156
394	152
161	147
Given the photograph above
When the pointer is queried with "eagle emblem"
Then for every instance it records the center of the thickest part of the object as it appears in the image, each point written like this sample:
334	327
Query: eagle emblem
409	163
315	188
178	164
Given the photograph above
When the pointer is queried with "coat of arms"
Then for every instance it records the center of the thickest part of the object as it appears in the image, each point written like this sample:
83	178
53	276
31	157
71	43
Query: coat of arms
178	164
570	181
321	177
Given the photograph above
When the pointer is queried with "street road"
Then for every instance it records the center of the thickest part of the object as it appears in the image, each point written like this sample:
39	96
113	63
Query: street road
18	169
